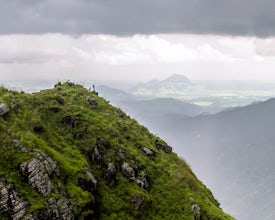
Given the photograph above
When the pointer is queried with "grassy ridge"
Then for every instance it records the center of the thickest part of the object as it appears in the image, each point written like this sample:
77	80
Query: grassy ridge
64	125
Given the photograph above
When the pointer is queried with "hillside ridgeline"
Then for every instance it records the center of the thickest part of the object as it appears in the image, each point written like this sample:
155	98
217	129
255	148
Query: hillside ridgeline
66	153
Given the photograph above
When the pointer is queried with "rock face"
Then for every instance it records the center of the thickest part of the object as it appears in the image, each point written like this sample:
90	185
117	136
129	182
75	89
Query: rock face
163	146
128	171
195	208
88	182
10	201
92	179
99	151
142	180
60	100
110	172
148	152
3	109
121	154
38	172
96	156
139	177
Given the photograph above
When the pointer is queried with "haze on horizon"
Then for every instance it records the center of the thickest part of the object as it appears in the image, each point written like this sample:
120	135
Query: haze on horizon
137	41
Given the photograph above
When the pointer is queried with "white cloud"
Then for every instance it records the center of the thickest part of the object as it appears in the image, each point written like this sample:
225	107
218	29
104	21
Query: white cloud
136	57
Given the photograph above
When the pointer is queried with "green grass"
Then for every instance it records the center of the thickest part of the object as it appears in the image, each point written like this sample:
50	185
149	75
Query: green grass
174	188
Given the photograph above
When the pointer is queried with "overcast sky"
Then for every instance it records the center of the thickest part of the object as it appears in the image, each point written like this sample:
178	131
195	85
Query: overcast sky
137	40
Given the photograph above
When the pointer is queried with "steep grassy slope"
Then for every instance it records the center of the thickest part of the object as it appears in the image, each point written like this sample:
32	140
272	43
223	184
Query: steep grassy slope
65	153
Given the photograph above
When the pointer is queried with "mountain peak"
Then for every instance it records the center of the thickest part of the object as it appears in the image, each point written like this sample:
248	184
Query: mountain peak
178	78
66	153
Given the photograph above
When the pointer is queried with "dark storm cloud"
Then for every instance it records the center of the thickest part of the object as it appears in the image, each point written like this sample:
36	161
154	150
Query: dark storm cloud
127	17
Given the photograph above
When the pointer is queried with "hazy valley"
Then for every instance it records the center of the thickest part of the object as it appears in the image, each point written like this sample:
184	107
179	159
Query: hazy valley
231	148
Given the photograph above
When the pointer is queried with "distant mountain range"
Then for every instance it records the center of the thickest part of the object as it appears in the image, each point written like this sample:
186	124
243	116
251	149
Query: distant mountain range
215	95
147	108
233	152
177	78
174	85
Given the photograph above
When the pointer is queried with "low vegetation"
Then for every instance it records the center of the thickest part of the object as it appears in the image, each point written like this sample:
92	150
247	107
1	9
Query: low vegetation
94	161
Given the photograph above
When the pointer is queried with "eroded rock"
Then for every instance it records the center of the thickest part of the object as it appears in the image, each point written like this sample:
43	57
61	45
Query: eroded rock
142	181
17	144
96	156
196	210
163	146
38	172
92	178
138	202
10	202
70	121
60	100
3	109
121	154
110	172
88	182
128	171
99	151
148	152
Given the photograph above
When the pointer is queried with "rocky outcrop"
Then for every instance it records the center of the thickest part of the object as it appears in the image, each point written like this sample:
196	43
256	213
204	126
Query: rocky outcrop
70	121
17	144
99	151
96	156
142	180
92	103
3	109
60	100
137	202
148	152
135	174
110	172
11	203
38	172
92	179
121	154
196	210
128	171
88	181
55	209
163	146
